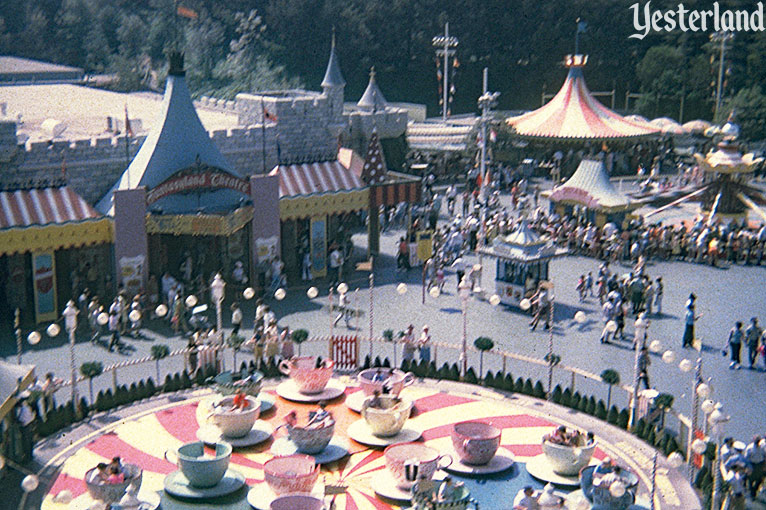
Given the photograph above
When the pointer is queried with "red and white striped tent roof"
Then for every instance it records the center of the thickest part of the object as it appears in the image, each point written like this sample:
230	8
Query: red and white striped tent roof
43	206
574	114
316	179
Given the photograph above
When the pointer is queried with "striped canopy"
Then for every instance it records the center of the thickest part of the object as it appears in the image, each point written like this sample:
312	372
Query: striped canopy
574	114
25	208
316	179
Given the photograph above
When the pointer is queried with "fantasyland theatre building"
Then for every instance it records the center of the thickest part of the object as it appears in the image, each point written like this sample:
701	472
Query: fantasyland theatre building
225	182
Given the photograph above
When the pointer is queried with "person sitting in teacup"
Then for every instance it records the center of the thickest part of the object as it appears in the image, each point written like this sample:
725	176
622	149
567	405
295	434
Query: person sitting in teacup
448	490
317	418
525	499
99	475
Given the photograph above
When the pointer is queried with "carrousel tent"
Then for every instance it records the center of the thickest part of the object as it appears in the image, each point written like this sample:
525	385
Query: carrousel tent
573	114
590	188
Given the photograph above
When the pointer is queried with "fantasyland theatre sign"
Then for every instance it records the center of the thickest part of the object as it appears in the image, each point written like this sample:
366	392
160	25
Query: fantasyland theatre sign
185	182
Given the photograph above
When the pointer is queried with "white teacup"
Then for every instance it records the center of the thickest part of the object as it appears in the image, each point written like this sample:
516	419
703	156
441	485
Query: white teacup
410	462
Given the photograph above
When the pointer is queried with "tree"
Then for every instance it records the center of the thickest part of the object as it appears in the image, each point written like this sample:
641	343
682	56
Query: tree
300	336
663	401
91	369
749	106
159	351
235	342
610	377
483	343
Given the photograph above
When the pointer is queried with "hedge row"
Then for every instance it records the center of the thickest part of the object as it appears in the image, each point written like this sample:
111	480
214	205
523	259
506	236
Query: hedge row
65	415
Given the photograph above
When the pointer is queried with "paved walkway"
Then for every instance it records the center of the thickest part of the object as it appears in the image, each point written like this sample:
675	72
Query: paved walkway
141	434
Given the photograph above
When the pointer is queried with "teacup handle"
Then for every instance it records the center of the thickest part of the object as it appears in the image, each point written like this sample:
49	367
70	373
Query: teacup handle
409	378
172	453
446	457
284	367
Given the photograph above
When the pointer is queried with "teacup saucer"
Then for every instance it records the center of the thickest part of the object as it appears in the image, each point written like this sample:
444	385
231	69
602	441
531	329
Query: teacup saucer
336	450
540	467
150	500
356	400
384	484
289	390
177	484
266	400
260	432
260	496
360	432
502	460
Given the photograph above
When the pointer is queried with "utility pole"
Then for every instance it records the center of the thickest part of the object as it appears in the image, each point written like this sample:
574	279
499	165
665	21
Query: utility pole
720	37
445	47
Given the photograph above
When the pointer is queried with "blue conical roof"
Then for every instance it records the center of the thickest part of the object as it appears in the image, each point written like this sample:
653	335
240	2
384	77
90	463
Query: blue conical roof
333	76
179	143
372	99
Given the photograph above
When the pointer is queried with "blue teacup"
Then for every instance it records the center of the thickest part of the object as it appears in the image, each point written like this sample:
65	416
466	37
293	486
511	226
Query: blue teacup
201	470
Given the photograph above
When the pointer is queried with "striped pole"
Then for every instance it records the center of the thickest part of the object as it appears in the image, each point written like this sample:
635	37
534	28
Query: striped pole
372	286
654	480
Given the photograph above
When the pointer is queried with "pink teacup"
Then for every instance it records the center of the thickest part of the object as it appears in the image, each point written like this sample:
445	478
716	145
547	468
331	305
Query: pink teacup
304	372
374	379
291	473
296	502
411	462
475	442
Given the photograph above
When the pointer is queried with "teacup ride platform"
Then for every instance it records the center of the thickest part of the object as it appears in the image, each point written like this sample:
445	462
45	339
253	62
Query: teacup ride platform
142	437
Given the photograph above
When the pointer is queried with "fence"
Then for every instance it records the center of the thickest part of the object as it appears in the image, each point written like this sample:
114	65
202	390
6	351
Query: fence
345	350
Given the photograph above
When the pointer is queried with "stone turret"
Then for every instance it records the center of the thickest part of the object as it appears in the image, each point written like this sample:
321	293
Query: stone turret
334	86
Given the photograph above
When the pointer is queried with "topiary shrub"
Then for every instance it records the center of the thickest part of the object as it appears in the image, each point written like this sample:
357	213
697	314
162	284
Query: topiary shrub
518	386
454	372
566	398
91	369
538	391
142	391
639	428
405	366
556	394
489	380
528	388
167	386
177	384
83	410
386	363
443	372
576	401
591	406
199	377
377	363
186	381
470	376
300	336
483	344
99	402
623	419
151	389
601	411
508	384
159	351
431	371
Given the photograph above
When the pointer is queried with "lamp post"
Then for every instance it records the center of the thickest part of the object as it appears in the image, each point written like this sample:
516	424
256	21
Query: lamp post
720	37
717	420
445	46
464	291
217	289
549	286
486	101
17	327
70	322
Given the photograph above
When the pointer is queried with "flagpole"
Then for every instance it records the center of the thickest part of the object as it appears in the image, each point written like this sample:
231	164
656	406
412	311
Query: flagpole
127	144
263	134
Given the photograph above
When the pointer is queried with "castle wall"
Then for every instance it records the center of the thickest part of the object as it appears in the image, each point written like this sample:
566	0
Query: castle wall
94	165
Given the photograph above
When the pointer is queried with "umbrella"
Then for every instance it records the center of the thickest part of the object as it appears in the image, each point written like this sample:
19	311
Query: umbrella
696	126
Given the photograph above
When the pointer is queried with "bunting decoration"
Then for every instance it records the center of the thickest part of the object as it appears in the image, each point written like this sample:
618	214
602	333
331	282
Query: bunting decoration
374	169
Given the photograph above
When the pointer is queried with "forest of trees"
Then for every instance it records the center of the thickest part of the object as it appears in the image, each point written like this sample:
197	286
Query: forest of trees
253	45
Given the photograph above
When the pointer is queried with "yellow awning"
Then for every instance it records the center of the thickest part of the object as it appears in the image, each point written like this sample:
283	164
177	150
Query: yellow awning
199	224
56	236
324	204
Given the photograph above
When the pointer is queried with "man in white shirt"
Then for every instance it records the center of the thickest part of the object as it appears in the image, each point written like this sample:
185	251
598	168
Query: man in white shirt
755	454
336	262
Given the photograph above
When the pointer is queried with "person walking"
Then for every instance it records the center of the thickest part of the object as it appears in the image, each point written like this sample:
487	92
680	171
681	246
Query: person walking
753	334
408	344
344	310
424	345
659	288
755	455
336	263
607	314
236	318
734	345
689	319
643	367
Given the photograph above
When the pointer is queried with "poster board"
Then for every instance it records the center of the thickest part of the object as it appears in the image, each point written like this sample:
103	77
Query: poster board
318	243
44	285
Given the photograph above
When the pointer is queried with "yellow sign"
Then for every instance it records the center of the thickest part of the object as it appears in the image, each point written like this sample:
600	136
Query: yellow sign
199	224
56	236
325	204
